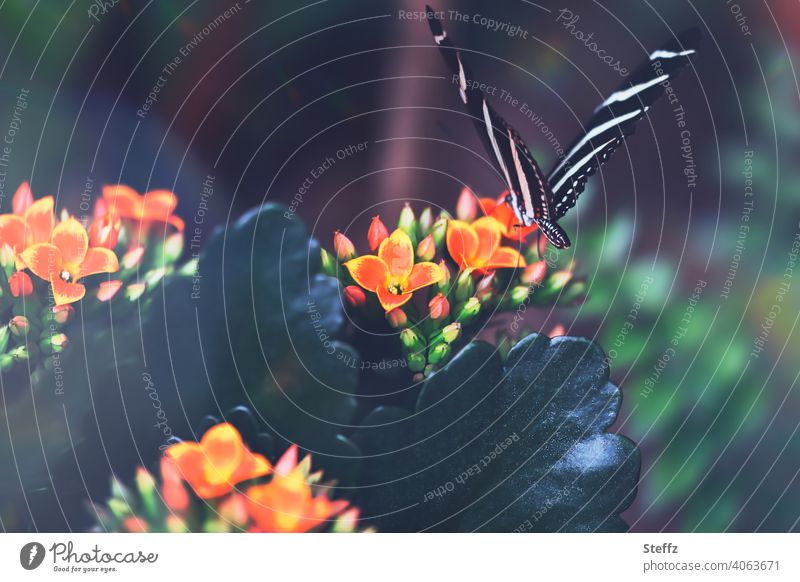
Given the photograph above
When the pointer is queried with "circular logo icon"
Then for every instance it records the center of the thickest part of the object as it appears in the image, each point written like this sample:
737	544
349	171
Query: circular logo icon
31	555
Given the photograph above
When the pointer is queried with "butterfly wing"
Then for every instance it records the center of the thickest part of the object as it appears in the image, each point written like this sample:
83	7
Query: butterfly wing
615	119
529	194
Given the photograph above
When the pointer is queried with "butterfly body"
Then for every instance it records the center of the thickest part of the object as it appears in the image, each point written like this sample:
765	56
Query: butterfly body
541	199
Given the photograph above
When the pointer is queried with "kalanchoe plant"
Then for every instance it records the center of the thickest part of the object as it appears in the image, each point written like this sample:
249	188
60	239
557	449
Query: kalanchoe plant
464	270
220	485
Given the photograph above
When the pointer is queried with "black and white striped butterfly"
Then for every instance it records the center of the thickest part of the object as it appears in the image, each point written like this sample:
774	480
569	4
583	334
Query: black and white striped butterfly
543	199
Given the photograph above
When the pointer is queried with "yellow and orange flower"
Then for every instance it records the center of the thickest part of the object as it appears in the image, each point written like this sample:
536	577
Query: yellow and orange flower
286	504
218	462
504	215
477	246
392	274
156	206
66	259
31	223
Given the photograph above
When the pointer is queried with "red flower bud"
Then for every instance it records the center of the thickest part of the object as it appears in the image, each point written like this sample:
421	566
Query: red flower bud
467	205
354	295
377	232
104	232
535	273
23	198
397	318
62	313
557	331
426	249
343	246
20	284
439	307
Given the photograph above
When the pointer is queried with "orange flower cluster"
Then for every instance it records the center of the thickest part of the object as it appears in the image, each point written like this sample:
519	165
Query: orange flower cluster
220	461
62	253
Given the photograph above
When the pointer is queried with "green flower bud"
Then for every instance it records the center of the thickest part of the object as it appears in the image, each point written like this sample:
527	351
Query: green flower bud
451	332
444	284
439	353
465	286
5	333
411	341
430	369
469	311
408	223
439	230
519	294
574	290
425	222
416	362
328	263
173	247
19	325
6	362
53	343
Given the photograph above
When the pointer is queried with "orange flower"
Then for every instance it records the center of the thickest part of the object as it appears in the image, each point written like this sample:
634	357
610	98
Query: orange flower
392	274
172	489
155	206
504	214
286	504
31	223
477	246
104	231
218	462
66	259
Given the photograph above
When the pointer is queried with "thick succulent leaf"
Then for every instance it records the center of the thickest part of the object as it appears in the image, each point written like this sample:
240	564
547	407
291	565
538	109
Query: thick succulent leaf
258	327
520	446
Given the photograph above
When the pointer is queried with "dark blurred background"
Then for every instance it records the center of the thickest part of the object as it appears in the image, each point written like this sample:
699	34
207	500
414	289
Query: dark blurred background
263	93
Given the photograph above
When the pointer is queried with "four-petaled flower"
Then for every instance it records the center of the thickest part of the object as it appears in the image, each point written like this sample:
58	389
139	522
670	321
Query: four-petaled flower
392	274
477	246
218	462
66	259
31	223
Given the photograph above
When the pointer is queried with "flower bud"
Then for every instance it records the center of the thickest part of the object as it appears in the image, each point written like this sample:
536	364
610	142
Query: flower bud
465	286
53	343
377	233
573	291
343	246
444	283
23	198
426	249
416	362
108	289
397	318
558	280
19	325
534	274
484	289
62	313
425	223
469	311
104	232
439	230
173	247
467	205
451	332
408	223
328	263
354	296
133	257
20	284
439	307
7	257
519	294
439	353
412	342
557	331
